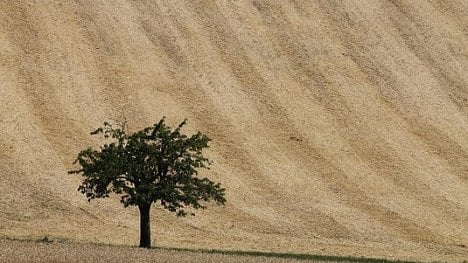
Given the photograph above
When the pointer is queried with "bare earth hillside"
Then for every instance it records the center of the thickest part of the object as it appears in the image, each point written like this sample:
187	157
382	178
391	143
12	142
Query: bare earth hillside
338	127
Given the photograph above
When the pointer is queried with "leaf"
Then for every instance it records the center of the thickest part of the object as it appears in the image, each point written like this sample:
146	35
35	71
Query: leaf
155	164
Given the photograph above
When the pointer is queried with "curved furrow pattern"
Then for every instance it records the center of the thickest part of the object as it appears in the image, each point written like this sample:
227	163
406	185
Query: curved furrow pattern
338	127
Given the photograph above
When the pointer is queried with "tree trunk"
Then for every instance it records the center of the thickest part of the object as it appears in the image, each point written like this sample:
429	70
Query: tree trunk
145	227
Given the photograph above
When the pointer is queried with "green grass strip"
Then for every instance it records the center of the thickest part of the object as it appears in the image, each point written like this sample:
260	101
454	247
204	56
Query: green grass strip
288	255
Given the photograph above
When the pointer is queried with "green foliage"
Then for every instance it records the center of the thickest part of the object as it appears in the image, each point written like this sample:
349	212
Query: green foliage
155	165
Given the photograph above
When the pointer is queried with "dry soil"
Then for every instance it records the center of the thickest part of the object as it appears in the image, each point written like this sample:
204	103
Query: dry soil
338	127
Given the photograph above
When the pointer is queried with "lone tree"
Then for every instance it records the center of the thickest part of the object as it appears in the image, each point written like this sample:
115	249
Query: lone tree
155	165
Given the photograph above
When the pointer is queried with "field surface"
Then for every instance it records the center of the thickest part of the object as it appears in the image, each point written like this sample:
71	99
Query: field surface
42	252
338	127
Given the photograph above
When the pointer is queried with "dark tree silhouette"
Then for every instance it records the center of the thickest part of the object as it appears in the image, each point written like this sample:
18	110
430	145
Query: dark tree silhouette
155	165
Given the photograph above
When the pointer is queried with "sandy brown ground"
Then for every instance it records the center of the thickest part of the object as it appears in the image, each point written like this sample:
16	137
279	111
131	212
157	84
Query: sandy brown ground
339	127
34	252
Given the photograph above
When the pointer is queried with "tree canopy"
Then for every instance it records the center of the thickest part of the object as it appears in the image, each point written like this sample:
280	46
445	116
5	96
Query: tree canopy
157	164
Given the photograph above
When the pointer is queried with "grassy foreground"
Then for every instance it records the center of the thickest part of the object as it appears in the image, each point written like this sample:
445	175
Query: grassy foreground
46	250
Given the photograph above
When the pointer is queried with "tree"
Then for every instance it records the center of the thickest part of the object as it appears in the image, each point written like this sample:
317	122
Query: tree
155	165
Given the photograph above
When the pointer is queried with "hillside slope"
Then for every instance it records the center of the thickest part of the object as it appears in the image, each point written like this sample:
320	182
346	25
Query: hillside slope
338	127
